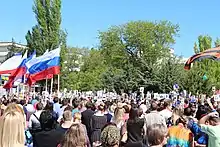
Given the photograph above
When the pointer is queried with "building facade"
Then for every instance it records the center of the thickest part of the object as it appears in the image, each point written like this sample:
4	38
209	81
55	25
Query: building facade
4	49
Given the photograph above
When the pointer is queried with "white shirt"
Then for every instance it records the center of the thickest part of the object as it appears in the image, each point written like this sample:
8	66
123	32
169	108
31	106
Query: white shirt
143	107
166	114
33	119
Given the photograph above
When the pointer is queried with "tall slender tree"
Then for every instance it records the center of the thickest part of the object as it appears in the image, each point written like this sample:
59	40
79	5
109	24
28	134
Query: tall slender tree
47	33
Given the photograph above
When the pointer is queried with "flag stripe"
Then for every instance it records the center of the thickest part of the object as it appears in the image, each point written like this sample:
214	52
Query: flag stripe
39	67
10	65
45	74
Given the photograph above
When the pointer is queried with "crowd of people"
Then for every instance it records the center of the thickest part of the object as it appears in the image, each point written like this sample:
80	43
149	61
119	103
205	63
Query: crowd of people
85	122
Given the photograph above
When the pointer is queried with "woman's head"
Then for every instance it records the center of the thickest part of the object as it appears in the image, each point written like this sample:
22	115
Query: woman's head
75	136
12	126
133	115
101	107
127	109
157	134
14	107
47	120
167	104
177	113
110	136
118	115
202	111
182	120
77	117
49	106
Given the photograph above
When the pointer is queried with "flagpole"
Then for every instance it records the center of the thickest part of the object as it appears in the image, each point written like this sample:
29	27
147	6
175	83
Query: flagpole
23	90
51	86
58	84
18	90
46	85
23	86
34	92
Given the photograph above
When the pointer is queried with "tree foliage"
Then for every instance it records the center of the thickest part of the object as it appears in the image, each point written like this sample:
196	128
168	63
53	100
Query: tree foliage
194	81
133	51
46	34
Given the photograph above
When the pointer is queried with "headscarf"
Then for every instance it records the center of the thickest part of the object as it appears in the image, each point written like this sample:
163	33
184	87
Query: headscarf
110	136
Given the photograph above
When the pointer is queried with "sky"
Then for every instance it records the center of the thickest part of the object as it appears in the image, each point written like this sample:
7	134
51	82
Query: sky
83	19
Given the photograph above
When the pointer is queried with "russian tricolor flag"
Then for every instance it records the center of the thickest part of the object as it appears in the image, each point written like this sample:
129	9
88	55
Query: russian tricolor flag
44	67
10	65
20	71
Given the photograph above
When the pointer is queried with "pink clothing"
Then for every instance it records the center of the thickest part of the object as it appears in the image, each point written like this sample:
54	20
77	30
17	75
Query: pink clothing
126	116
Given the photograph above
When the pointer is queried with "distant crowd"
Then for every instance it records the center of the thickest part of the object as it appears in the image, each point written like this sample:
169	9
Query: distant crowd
88	122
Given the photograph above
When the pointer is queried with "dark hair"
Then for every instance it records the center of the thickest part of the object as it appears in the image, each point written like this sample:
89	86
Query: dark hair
154	106
68	108
5	102
202	111
108	104
214	119
23	102
47	120
186	101
156	134
49	106
187	111
133	115
89	105
39	106
56	100
65	102
76	103
127	110
15	101
101	107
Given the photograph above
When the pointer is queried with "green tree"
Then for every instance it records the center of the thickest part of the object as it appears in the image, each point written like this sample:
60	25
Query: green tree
132	52
194	81
71	67
92	69
217	42
46	34
171	72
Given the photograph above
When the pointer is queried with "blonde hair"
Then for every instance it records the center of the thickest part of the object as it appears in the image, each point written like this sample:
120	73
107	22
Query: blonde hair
118	115
14	107
77	116
75	136
12	127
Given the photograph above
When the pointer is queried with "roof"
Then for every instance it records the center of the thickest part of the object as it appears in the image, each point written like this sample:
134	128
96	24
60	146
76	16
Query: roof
10	43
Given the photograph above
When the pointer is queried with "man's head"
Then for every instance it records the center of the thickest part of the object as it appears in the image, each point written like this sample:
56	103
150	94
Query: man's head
67	115
39	106
154	106
65	102
76	104
214	121
89	105
157	134
56	100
